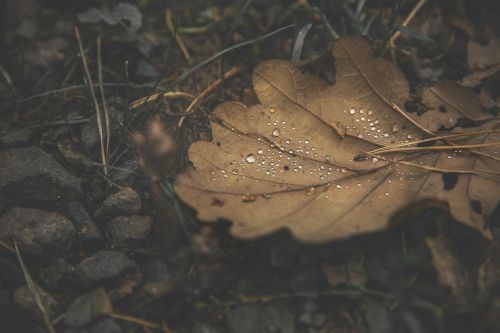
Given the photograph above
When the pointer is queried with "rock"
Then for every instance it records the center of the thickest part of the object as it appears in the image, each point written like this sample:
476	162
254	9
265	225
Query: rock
10	274
124	202
74	156
89	135
88	233
50	276
147	72
15	138
155	270
129	230
88	307
204	328
106	325
101	266
36	231
125	173
250	318
24	297
31	177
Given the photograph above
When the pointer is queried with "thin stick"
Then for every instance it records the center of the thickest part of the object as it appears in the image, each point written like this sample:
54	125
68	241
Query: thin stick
443	137
173	95
178	39
139	321
479	145
208	90
7	246
103	99
88	79
34	292
407	21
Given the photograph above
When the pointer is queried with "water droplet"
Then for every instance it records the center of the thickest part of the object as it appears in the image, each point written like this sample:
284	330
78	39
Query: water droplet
250	158
352	111
395	127
374	160
338	186
260	151
409	136
249	198
386	193
370	112
310	191
386	135
276	132
343	170
272	110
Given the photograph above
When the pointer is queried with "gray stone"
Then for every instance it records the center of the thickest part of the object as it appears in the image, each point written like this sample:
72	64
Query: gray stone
129	230
51	276
36	231
89	135
88	307
124	202
125	173
88	233
10	274
31	177
15	138
24	297
103	265
250	318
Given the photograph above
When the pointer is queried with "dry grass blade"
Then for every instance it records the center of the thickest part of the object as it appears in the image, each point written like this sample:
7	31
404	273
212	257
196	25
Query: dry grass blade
207	91
141	322
88	80
103	99
34	292
171	94
170	25
414	11
7	246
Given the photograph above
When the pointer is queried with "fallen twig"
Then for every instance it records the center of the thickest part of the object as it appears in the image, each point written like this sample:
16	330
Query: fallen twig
208	90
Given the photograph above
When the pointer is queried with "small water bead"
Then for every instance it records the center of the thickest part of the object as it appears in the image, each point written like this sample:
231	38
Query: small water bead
361	111
310	191
374	160
352	111
260	151
343	170
338	186
272	110
395	127
370	112
250	158
386	193
276	132
386	135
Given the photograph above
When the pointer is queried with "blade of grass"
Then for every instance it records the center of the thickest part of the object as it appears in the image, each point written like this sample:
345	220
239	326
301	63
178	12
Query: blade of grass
34	291
88	79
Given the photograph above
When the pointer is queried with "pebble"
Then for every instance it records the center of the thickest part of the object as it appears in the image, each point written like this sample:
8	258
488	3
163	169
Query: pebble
129	230
31	177
10	274
88	307
15	138
125	173
24	297
124	202
88	233
89	135
36	231
103	265
250	318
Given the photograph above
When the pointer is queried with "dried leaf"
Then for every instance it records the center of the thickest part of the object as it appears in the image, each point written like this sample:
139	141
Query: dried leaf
449	102
297	159
481	57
